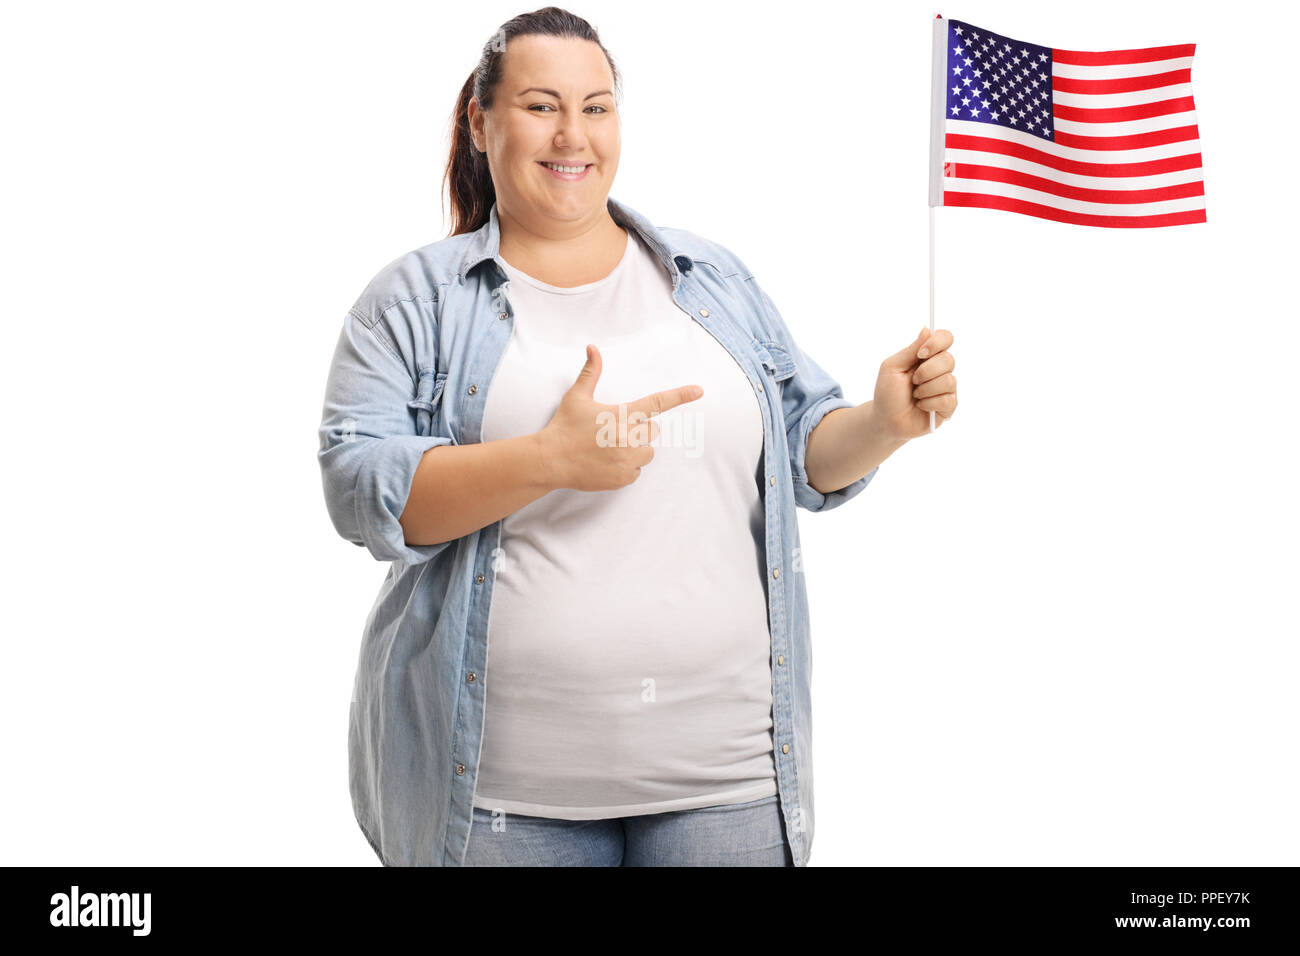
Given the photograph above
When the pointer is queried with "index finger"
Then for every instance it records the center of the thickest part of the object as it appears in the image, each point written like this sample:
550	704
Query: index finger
937	342
656	403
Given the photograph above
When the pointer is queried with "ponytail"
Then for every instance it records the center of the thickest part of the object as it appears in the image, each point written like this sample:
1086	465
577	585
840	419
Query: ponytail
467	179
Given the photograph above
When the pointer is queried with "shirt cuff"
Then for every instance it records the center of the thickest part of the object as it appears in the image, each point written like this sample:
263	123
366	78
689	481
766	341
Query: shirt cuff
383	487
805	495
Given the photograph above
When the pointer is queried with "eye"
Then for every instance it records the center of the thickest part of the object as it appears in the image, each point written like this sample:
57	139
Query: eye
595	106
545	105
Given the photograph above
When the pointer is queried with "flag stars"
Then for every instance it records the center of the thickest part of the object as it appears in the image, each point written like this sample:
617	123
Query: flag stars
1008	77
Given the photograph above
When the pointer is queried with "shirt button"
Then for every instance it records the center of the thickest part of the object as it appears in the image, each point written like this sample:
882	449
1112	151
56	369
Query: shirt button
780	659
478	579
460	769
504	315
776	572
704	312
785	748
471	677
772	480
473	389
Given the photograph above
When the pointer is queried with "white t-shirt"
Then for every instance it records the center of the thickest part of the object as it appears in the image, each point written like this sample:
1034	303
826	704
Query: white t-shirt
629	657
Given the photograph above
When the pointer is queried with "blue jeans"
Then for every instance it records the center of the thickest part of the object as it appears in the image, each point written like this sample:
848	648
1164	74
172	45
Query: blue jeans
739	834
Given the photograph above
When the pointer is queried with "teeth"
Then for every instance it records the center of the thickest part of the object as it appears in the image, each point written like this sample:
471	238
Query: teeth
564	169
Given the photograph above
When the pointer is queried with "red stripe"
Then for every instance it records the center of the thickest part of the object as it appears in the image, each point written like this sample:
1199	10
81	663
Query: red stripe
981	201
1147	55
1122	114
1124	84
1016	178
1021	151
1157	137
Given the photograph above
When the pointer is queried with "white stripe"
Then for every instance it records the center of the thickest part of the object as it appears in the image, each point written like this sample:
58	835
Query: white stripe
980	158
1163	151
1121	71
1101	101
1072	205
1152	124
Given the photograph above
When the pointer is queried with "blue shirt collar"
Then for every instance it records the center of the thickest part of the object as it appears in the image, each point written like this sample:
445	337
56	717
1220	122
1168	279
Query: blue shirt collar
485	242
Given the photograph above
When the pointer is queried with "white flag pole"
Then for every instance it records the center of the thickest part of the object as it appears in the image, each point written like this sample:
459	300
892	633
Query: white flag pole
931	292
938	102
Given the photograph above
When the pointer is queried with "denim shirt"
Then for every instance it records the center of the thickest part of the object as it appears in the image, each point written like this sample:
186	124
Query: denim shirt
411	370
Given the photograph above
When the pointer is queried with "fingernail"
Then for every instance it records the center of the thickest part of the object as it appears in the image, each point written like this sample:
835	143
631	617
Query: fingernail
924	351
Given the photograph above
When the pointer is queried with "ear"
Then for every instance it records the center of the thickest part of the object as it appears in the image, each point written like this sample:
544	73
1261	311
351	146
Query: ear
475	124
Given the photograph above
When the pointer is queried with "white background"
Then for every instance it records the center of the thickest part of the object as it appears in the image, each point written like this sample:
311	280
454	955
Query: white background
1056	631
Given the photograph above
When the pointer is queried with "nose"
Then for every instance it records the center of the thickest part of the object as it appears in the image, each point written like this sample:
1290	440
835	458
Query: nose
572	131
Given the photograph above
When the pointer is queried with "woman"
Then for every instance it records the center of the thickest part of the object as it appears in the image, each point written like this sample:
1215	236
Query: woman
621	532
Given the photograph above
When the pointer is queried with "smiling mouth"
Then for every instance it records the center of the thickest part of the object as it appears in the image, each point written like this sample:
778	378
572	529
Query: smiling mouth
567	168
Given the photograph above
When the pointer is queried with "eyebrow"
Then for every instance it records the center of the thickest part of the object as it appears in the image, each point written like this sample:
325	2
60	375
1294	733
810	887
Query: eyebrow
557	95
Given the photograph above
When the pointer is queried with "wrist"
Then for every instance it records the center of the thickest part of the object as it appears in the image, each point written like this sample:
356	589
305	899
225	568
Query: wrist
883	433
546	464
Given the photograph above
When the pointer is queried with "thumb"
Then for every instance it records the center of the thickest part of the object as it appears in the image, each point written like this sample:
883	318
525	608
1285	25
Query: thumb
585	383
905	358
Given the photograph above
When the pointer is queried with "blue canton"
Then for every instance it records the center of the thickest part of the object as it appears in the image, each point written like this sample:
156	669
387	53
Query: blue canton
994	79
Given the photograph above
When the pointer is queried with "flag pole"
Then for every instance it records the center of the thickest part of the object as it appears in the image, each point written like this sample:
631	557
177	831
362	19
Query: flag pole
938	99
931	292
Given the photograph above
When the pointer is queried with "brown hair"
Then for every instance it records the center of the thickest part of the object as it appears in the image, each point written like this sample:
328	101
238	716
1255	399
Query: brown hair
467	178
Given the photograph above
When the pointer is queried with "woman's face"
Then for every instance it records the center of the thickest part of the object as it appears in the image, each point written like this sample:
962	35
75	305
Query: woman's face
554	104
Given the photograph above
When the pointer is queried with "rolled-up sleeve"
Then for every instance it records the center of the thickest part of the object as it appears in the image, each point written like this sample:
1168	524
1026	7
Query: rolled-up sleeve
369	445
808	395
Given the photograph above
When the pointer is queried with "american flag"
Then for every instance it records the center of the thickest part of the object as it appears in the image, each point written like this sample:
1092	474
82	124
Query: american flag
1094	139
